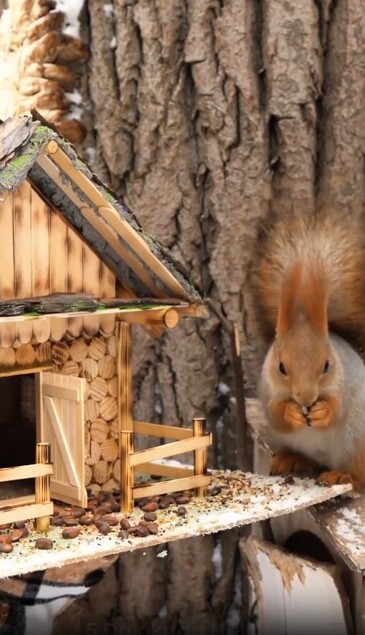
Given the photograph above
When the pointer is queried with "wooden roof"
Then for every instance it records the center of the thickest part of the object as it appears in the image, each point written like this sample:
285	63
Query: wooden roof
33	151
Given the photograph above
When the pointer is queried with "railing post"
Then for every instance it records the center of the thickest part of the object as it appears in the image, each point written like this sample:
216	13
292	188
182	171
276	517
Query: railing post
43	484
126	471
201	455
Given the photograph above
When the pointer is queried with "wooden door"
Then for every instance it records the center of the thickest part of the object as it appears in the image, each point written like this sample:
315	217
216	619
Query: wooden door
62	423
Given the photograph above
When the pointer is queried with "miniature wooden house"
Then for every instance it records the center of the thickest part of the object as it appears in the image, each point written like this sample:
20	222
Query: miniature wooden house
77	271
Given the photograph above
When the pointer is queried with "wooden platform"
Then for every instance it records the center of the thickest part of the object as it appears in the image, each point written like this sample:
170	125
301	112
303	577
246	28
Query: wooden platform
341	521
339	524
242	499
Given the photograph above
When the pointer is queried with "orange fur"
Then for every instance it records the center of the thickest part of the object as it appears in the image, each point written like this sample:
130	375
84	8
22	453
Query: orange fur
287	306
334	477
334	247
286	462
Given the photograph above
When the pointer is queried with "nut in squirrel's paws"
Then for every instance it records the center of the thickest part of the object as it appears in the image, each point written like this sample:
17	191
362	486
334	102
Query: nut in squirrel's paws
320	415
333	477
286	462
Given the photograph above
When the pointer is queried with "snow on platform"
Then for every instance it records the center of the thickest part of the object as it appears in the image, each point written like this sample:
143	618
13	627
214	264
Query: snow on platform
242	499
343	521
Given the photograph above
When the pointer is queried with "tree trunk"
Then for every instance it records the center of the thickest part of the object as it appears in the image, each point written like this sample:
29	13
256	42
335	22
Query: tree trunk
209	113
204	115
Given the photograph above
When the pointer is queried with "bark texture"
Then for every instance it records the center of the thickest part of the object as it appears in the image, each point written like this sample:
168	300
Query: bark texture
208	114
204	115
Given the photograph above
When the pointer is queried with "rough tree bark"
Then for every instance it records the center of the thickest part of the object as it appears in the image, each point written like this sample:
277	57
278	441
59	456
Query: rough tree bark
204	115
208	114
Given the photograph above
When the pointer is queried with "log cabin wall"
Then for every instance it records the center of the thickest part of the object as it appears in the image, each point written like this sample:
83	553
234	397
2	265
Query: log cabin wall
93	358
41	254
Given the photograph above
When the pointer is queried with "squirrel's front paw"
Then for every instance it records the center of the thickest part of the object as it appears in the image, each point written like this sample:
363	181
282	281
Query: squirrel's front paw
334	477
294	416
286	462
321	414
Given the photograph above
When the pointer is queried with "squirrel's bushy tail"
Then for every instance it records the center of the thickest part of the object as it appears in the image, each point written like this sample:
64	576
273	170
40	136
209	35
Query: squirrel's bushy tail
333	246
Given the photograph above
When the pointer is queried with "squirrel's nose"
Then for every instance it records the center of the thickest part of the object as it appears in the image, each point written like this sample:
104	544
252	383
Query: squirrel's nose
304	399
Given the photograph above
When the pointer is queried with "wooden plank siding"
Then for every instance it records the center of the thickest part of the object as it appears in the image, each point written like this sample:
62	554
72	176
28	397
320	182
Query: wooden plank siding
40	253
22	249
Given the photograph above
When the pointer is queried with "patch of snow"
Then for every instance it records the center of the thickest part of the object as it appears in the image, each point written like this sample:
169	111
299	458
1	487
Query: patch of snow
90	154
163	612
234	615
223	389
75	110
219	434
217	560
158	400
113	42
108	10
162	554
172	463
71	9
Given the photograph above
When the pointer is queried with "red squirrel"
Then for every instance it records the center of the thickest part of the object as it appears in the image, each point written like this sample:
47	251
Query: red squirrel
309	283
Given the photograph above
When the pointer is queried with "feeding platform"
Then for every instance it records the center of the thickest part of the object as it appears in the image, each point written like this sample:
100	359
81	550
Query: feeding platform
234	499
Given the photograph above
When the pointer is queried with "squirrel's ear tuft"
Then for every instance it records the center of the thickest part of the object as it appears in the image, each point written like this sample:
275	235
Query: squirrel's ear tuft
288	299
304	292
313	298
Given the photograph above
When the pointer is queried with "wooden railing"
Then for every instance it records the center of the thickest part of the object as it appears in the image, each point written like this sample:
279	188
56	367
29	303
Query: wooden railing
37	505
194	439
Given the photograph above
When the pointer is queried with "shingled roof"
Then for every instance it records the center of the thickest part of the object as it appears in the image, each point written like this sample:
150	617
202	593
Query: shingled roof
32	150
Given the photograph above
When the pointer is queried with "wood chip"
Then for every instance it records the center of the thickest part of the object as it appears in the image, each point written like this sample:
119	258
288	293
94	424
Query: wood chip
95	447
101	472
78	350
108	408
97	348
111	346
109	450
113	387
91	409
44	352
60	353
99	430
71	368
7	357
89	368
98	388
88	474
107	367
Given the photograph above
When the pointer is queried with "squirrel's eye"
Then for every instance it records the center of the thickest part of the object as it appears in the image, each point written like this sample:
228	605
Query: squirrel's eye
326	366
282	368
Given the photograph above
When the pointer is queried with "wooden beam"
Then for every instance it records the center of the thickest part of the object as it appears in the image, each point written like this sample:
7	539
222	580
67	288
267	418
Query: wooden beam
170	449
161	430
24	512
30	370
174	485
20	472
43	484
133	315
15	502
201	455
126	471
125	379
168	471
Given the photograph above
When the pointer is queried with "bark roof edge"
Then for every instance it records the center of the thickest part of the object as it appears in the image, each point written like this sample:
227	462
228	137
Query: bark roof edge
23	138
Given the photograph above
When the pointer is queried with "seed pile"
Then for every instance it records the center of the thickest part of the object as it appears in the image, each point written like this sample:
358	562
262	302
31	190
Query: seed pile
102	516
233	499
